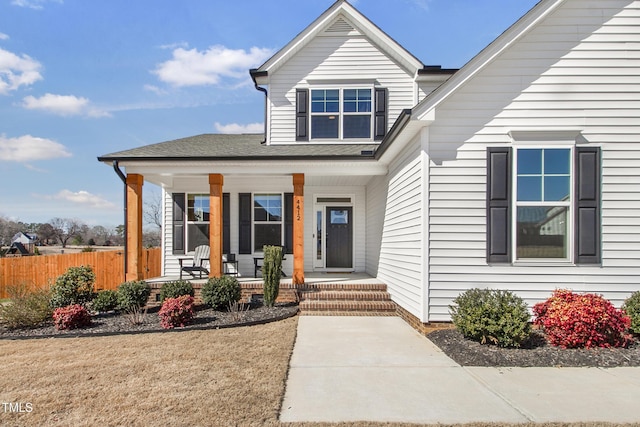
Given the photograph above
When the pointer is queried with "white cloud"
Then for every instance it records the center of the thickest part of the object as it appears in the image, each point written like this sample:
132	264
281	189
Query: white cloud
83	198
17	70
29	148
421	4
172	46
155	89
237	128
4	36
210	67
63	105
34	4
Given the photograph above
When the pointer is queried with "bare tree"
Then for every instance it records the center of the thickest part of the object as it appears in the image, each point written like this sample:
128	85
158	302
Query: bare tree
66	228
153	210
8	229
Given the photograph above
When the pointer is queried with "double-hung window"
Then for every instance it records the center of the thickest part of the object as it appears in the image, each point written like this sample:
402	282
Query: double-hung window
543	204
267	220
341	113
197	220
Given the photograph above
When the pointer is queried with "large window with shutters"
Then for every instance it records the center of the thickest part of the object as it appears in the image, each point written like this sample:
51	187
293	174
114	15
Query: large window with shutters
543	204
347	113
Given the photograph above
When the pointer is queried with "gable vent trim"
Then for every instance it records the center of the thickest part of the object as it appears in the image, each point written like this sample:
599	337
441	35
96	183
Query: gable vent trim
340	26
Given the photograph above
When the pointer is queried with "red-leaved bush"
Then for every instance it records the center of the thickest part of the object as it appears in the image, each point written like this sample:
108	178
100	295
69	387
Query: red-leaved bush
176	312
573	320
71	317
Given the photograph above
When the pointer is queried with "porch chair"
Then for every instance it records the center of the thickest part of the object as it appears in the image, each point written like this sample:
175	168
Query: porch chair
230	264
200	255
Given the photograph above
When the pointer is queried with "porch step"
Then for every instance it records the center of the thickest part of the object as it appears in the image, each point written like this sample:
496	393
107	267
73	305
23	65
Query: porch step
346	299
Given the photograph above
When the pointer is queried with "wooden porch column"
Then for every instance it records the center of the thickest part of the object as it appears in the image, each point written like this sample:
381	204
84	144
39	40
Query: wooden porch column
215	224
298	228
134	227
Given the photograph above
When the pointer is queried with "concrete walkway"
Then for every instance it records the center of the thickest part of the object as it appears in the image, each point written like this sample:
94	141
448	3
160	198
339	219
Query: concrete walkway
380	369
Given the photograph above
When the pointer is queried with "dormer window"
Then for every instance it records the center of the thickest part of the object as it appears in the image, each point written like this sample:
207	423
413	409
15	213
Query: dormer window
351	113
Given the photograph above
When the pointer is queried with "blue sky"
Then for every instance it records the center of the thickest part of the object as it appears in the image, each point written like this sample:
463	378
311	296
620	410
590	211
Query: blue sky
79	79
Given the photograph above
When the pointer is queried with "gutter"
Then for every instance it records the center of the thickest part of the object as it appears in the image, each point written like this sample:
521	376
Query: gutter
124	181
255	74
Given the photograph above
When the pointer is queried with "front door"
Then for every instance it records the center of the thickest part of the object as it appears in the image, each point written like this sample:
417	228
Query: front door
339	237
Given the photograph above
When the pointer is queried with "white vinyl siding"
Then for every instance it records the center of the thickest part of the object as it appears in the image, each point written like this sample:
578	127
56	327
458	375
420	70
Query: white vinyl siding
579	69
335	61
400	263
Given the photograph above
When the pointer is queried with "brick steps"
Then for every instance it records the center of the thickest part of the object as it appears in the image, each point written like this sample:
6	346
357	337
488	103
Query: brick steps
346	299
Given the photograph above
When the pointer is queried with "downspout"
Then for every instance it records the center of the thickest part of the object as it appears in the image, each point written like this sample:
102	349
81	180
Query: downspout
255	73
124	181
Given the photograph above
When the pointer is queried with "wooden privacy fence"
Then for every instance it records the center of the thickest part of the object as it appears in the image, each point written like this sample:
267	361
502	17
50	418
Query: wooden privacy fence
41	271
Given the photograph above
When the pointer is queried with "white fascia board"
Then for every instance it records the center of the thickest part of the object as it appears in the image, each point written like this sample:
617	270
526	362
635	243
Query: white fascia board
507	39
319	168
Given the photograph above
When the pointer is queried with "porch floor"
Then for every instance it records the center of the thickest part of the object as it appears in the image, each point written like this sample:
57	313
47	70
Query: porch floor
309	278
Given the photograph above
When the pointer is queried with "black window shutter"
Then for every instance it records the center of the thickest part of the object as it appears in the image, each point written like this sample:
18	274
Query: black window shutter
587	206
178	223
245	223
226	224
380	125
288	223
498	204
302	114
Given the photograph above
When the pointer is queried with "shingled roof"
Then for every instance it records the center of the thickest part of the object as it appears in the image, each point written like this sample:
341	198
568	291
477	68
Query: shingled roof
239	147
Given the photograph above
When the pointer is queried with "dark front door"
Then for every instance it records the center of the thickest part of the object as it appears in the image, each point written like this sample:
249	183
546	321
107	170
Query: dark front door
339	237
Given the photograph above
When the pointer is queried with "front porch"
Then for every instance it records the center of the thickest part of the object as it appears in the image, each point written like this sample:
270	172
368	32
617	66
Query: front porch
320	294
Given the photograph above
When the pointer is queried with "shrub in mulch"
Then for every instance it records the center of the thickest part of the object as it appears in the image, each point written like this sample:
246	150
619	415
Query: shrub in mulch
176	289
631	306
73	316
105	300
176	312
572	320
491	316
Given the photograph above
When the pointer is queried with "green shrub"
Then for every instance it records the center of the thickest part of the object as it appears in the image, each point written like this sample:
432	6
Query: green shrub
133	295
75	286
572	320
176	289
491	316
219	292
73	316
271	273
176	312
26	309
105	300
632	307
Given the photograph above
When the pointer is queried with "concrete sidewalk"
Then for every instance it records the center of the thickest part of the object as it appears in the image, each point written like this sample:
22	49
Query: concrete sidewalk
380	369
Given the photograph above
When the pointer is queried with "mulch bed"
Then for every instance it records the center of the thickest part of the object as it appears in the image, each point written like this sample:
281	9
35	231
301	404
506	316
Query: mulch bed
118	323
536	352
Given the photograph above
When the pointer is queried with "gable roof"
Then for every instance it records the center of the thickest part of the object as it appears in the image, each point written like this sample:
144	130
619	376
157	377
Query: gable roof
412	120
510	36
340	18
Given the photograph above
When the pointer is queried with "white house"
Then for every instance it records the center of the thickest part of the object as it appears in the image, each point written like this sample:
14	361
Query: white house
519	171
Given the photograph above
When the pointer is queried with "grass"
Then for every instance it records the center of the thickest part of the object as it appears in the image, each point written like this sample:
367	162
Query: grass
226	377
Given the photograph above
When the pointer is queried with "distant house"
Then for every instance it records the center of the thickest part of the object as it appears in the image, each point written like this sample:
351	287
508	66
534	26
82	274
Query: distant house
26	240
519	171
